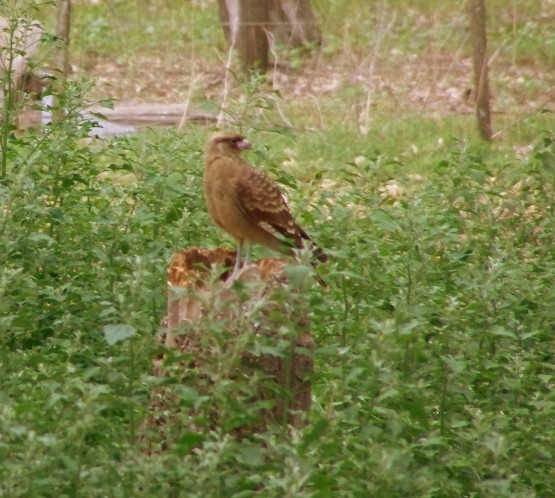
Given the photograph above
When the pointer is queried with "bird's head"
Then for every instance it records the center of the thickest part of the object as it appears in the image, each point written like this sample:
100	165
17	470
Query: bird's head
228	143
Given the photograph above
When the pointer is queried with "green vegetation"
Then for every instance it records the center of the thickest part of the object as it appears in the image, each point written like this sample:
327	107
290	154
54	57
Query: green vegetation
434	342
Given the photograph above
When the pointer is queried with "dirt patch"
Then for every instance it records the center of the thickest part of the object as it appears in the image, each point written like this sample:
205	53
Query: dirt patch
421	84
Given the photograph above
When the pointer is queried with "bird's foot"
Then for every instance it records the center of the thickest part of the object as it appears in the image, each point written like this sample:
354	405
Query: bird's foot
231	279
245	273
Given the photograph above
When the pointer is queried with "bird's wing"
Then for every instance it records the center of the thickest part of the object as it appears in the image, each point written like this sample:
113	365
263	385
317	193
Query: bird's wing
261	200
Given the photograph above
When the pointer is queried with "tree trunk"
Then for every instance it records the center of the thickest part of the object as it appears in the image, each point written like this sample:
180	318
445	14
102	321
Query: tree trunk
63	23
61	57
252	37
253	25
293	23
480	67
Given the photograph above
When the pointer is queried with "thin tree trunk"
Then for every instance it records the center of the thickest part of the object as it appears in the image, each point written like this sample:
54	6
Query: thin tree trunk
225	21
61	57
480	66
298	20
63	23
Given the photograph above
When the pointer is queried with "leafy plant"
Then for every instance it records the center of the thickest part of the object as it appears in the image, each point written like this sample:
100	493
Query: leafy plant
433	361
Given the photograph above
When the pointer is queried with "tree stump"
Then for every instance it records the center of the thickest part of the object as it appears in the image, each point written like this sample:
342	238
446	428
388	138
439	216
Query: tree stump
247	346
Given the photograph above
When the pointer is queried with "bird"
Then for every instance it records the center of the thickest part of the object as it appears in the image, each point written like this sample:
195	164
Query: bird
248	205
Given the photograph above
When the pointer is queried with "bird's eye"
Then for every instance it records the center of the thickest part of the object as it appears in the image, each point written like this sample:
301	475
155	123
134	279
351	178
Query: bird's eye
236	141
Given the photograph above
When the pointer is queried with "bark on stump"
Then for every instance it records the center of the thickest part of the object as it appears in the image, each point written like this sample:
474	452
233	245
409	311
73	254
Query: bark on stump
266	331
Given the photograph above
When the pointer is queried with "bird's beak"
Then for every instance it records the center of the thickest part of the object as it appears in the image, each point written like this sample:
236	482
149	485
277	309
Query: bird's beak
244	145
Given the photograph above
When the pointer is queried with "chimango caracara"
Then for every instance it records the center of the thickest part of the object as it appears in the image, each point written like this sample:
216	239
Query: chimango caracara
247	204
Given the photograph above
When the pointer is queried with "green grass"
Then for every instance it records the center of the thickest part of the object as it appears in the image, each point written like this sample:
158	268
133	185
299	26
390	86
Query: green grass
433	360
434	352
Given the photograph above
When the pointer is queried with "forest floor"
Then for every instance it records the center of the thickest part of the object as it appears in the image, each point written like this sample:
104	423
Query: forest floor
403	84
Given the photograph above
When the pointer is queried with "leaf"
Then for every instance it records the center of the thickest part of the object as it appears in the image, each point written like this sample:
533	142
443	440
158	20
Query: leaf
209	105
298	274
250	454
529	335
124	166
107	103
99	115
455	365
117	333
189	440
477	175
41	237
502	331
187	394
316	433
384	220
387	394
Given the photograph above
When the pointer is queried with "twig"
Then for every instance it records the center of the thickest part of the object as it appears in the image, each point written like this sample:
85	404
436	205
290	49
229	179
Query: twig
377	46
188	101
271	45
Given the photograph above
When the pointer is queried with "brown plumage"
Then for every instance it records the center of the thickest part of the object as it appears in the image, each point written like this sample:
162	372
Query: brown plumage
247	204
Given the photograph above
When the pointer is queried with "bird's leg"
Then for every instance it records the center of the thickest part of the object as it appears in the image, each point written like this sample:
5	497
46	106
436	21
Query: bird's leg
238	257
237	266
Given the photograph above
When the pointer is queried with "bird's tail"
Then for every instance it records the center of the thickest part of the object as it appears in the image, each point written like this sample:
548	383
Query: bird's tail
319	253
304	240
296	237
